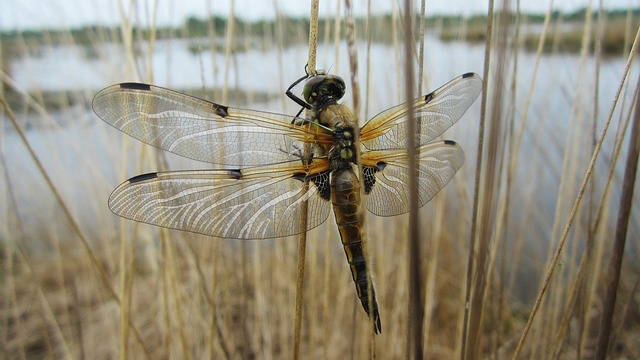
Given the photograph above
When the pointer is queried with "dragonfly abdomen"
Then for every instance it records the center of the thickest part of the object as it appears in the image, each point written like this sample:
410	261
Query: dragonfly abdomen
345	197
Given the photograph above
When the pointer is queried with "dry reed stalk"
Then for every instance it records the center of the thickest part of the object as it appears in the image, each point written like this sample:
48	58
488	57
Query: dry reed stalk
423	9
602	211
302	238
502	213
551	310
337	26
601	216
216	331
626	309
212	35
126	280
415	311
585	179
620	238
229	48
300	274
430	282
326	315
367	33
397	51
587	261
487	249
517	141
279	35
175	298
128	246
469	334
103	275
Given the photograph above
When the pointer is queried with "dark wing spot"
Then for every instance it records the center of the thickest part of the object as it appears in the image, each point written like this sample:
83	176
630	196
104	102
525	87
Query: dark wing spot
135	86
449	142
321	181
428	97
222	111
370	175
467	75
143	177
235	174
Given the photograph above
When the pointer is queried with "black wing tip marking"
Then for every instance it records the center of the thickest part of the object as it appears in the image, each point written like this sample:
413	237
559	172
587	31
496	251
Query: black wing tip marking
135	86
449	142
429	97
221	110
143	177
468	75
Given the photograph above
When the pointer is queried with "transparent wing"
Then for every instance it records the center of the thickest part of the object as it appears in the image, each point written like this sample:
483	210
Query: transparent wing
389	195
259	203
434	113
202	130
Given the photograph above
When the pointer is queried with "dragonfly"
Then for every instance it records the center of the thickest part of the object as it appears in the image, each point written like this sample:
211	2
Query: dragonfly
277	175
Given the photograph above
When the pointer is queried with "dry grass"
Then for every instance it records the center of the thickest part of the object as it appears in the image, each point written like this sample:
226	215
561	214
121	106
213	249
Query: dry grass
87	285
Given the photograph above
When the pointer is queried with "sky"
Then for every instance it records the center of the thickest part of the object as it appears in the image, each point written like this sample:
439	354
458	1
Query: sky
39	14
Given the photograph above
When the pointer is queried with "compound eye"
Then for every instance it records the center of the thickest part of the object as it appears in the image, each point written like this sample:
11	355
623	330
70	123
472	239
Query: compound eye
312	87
337	87
324	87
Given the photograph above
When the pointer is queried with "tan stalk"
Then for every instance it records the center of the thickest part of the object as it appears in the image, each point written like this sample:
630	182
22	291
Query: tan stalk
466	335
302	238
585	179
620	237
103	275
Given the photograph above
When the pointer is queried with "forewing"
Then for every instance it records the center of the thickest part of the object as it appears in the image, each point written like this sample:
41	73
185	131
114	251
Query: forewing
389	195
252	204
202	130
434	113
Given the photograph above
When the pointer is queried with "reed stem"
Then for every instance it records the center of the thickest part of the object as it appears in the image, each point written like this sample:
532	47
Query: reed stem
572	214
620	239
302	238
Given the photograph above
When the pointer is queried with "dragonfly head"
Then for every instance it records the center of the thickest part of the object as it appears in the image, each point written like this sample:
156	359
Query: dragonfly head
324	89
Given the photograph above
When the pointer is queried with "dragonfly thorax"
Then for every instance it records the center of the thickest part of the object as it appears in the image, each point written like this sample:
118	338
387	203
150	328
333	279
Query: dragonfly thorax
343	153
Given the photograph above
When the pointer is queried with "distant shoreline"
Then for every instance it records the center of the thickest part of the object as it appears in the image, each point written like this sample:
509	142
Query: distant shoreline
449	28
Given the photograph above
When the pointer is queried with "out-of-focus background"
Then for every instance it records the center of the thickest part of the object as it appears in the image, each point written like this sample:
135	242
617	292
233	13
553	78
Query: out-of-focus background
79	282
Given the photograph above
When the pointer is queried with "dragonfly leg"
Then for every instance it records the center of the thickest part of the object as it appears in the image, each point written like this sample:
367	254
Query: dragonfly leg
295	97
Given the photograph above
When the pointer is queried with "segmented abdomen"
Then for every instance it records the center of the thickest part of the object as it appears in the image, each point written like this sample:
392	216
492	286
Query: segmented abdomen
345	197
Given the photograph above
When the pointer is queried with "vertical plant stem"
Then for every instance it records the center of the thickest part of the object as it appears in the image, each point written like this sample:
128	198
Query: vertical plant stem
103	275
583	185
228	49
490	183
313	35
476	194
423	9
302	239
413	255
367	32
624	213
174	291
